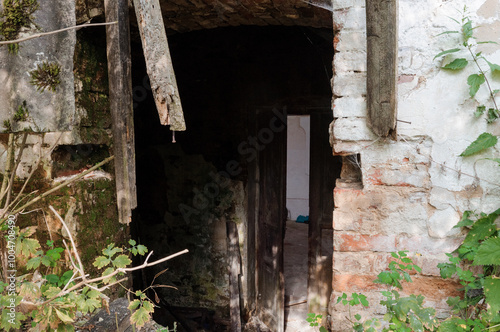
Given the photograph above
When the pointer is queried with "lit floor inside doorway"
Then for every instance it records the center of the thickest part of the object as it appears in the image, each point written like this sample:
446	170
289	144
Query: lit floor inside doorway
295	270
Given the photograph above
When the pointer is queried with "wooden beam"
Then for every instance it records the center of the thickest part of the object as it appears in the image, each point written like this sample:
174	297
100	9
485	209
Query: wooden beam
234	276
159	64
120	97
382	53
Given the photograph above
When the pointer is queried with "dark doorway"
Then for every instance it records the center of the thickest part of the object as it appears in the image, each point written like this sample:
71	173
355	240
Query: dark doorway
233	82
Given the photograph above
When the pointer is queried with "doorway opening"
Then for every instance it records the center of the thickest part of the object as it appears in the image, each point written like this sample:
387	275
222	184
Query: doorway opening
237	86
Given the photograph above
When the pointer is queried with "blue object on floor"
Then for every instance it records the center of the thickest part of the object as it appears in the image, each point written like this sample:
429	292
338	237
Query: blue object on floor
303	219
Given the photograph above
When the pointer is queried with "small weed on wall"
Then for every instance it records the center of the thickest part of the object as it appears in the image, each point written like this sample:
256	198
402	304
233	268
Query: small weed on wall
46	76
16	15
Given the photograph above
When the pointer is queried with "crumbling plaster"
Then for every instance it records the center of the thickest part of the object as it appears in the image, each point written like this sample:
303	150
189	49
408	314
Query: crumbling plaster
415	187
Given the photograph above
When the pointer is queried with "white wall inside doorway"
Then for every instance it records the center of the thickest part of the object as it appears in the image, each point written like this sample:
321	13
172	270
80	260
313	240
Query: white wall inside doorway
297	178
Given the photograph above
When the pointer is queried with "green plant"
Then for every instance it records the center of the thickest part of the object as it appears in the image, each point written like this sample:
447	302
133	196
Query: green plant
16	14
53	287
45	76
467	45
403	314
7	125
479	308
21	113
315	320
480	305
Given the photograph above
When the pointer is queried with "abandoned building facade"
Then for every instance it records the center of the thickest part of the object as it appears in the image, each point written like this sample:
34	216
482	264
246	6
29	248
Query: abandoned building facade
378	128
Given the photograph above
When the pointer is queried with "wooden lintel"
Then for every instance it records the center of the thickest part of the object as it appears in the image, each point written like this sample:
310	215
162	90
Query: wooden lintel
159	64
382	53
120	98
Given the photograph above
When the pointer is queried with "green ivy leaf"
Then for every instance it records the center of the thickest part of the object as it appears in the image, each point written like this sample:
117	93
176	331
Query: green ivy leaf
106	272
132	242
34	263
63	316
492	115
494	67
135	303
475	81
456	64
484	141
357	316
446	52
415	323
467	30
27	247
142	249
52	292
140	317
121	261
479	111
465	221
111	250
482	229
6	320
101	262
492	292
52	278
488	253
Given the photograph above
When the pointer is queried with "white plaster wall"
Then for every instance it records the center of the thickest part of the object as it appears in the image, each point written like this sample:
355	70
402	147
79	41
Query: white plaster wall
297	177
416	187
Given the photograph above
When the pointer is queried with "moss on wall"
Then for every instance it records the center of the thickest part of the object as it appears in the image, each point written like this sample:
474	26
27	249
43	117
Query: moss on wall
91	92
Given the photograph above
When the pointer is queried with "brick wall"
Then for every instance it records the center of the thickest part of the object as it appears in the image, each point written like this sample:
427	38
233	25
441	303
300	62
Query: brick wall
414	189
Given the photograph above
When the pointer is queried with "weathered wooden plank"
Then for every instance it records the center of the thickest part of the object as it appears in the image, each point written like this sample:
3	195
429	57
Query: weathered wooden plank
381	28
234	276
120	98
159	64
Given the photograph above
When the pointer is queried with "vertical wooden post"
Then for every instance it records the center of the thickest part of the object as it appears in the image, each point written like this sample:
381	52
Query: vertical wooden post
234	276
120	97
382	53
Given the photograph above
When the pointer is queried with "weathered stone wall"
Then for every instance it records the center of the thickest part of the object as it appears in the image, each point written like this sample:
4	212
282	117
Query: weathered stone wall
413	189
69	130
48	110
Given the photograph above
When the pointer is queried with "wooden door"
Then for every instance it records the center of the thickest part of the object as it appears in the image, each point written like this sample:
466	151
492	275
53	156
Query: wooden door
270	217
324	170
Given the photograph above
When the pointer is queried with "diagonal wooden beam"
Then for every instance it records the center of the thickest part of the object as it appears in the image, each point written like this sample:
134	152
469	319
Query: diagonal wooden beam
159	64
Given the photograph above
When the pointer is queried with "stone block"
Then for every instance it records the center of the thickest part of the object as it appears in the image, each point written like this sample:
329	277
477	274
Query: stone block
351	40
382	210
349	107
427	245
350	61
359	263
353	18
352	129
349	84
405	175
441	223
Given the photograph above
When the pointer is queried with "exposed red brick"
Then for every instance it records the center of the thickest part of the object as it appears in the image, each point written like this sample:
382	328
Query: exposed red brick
433	288
359	242
355	283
